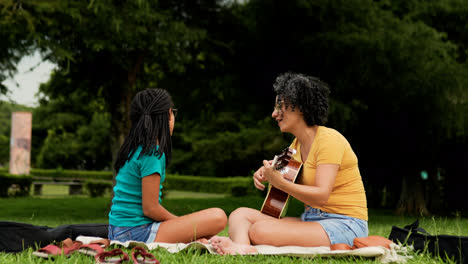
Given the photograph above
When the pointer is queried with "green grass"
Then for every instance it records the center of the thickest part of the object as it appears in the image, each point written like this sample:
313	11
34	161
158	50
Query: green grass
57	208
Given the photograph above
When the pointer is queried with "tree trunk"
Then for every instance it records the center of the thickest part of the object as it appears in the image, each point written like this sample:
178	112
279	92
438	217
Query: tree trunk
120	113
412	196
119	129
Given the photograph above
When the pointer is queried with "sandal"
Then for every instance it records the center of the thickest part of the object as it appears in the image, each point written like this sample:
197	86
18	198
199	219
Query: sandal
66	247
94	247
107	256
141	256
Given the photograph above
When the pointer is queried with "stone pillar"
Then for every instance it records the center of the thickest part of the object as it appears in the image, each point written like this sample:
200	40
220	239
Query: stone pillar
20	142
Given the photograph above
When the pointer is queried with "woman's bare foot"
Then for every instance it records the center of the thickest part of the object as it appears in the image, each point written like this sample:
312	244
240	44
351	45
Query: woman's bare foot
203	241
225	246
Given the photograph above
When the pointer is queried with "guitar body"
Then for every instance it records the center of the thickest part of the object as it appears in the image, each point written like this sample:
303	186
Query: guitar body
276	201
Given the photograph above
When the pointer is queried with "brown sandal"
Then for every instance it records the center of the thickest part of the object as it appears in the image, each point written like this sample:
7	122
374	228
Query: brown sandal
94	247
141	256
107	256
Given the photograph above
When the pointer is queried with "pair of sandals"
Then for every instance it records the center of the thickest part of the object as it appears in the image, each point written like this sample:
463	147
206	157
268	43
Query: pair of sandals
139	256
97	250
65	248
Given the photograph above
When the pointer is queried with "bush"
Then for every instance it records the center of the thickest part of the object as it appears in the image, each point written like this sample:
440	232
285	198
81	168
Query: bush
240	185
21	184
97	188
239	191
97	182
72	174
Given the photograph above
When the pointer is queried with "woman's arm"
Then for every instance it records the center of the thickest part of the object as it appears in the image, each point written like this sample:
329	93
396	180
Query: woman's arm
311	195
151	206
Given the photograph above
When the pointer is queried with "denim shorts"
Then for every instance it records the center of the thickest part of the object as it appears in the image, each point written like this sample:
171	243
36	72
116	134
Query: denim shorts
144	233
339	228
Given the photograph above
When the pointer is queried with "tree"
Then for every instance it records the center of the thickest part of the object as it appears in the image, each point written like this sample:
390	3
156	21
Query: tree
397	78
394	81
74	130
107	49
16	39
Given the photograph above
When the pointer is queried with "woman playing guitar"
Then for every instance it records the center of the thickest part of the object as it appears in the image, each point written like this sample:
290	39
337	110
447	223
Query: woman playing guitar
331	186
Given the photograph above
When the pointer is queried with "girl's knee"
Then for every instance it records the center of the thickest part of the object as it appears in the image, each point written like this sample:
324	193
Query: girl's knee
242	212
218	217
220	214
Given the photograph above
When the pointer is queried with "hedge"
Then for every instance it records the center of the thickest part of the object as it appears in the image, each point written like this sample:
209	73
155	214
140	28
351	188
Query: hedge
72	174
21	182
237	186
97	188
95	182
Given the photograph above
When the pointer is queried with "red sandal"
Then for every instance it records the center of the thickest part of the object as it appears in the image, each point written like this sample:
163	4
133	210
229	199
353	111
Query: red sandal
141	256
94	247
66	247
107	256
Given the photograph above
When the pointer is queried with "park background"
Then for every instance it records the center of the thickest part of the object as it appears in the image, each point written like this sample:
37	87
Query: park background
398	74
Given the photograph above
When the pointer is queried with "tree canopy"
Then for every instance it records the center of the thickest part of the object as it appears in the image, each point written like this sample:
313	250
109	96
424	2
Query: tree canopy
397	70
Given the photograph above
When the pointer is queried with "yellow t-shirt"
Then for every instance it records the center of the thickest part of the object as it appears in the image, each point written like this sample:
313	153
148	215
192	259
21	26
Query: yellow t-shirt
330	147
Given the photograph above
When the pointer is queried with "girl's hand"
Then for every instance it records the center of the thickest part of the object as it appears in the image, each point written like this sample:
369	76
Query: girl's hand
273	176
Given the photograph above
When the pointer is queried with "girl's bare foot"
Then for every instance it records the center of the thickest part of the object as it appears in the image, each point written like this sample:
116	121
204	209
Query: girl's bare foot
225	246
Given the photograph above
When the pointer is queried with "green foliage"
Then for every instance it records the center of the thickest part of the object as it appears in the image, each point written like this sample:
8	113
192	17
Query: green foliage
97	188
225	146
59	148
239	190
16	39
208	184
4	150
397	70
15	185
72	174
82	148
72	137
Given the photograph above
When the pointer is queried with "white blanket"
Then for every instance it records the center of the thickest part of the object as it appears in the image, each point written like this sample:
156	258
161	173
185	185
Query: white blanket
397	253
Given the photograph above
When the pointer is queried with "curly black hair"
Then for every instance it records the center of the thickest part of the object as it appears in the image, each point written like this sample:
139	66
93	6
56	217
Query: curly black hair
307	93
149	114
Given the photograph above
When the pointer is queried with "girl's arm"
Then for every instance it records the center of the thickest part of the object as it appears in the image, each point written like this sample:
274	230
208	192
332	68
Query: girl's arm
151	206
317	194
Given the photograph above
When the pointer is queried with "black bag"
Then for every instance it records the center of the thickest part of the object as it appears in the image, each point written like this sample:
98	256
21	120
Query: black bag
15	237
452	247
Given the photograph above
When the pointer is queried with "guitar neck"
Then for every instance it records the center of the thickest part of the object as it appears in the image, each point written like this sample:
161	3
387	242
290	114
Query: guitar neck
275	160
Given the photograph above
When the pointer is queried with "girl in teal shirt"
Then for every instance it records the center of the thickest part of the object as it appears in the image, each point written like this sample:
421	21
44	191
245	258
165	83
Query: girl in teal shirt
137	213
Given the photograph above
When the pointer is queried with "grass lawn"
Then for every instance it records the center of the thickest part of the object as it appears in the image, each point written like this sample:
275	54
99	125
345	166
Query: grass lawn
57	208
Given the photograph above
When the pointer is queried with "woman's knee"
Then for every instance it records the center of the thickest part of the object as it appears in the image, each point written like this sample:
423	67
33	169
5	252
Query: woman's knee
258	233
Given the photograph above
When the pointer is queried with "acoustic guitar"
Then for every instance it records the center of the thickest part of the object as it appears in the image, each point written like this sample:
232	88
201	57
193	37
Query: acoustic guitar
276	201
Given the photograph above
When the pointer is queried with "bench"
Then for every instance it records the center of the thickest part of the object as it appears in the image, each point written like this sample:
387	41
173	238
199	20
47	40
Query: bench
75	185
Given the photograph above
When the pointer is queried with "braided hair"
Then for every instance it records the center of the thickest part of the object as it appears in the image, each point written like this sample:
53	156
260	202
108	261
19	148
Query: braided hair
307	93
149	116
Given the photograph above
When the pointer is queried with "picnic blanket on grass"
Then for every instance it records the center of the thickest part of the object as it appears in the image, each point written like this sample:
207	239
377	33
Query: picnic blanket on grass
396	254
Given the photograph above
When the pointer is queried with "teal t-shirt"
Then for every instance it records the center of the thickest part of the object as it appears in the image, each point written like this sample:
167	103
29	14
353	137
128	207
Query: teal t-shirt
127	204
